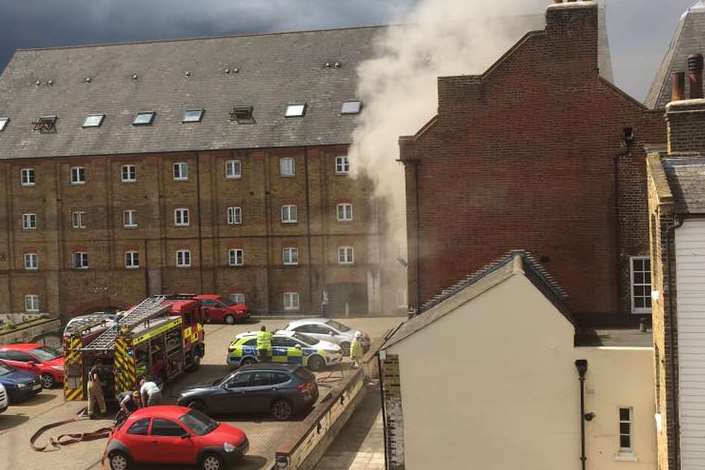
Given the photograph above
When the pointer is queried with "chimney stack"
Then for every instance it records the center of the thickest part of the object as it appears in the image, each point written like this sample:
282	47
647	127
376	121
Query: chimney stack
678	86
695	76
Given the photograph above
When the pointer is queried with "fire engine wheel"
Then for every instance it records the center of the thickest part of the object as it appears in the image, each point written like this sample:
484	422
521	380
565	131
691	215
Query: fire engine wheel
282	410
194	364
212	461
229	319
119	460
316	363
47	380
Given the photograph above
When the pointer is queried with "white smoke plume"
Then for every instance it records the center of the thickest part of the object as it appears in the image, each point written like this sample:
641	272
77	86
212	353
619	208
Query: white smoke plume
399	90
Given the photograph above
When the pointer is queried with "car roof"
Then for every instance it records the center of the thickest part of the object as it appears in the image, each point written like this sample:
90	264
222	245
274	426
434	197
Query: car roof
270	366
308	321
161	411
20	346
280	333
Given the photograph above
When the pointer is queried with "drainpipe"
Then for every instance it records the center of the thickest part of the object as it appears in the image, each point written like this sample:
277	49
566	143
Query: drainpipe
670	237
384	410
582	365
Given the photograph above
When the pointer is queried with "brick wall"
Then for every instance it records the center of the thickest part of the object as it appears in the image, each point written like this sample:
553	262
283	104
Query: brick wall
685	131
315	189
532	155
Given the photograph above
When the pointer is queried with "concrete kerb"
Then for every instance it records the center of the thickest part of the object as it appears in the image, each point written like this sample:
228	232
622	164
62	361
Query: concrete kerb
311	439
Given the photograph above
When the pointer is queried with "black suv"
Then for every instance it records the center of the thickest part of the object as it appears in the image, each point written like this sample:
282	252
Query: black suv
283	390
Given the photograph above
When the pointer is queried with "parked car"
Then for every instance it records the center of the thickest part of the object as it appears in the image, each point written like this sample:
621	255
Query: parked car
47	362
19	385
287	347
328	329
220	310
4	402
281	390
174	435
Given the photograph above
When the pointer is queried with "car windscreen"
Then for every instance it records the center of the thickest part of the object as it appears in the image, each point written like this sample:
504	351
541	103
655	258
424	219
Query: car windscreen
45	353
338	326
198	423
4	370
306	339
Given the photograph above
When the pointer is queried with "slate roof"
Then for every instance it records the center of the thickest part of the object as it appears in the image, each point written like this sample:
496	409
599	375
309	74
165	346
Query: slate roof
689	38
273	70
686	178
517	261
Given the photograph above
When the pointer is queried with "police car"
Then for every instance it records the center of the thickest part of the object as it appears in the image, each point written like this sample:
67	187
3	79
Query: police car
287	347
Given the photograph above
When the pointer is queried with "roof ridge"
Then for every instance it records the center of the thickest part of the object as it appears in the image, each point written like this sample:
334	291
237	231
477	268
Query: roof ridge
203	38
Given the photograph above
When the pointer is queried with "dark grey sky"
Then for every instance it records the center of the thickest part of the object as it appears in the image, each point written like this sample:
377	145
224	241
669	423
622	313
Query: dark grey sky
640	30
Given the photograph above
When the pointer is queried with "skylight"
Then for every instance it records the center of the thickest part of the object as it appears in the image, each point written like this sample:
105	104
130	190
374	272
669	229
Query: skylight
242	114
351	107
193	115
295	110
3	122
144	119
93	120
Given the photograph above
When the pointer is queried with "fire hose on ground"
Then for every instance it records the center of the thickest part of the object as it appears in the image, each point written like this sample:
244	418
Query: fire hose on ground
55	443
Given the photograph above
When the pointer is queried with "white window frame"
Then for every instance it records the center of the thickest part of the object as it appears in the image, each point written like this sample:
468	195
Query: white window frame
291	301
626	453
344	212
129	218
286	214
342	165
234	215
290	256
236	257
633	284
287	167
29	221
79	260
132	259
179	171
31	261
233	169
131	176
237	297
182	217
31	303
185	261
27	177
348	255
78	175
78	219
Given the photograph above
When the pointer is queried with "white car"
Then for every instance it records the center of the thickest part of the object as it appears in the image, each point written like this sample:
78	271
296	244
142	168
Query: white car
327	329
4	401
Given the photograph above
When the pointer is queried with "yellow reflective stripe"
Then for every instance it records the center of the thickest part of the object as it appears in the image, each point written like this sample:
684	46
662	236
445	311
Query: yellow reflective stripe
157	331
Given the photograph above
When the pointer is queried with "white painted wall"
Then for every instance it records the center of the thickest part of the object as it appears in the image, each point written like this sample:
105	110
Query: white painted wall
690	287
493	386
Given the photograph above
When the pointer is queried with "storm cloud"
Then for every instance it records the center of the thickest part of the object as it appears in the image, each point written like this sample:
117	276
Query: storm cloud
640	30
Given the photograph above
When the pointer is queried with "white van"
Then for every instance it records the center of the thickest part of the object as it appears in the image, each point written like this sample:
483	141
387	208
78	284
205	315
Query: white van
3	399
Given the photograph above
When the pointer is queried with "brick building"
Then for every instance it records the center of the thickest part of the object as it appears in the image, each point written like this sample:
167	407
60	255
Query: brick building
539	152
204	165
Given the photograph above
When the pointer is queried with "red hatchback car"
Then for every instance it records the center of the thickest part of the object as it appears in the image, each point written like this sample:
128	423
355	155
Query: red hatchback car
47	362
174	435
218	309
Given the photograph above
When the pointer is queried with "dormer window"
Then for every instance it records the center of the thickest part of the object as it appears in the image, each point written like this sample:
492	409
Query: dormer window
242	115
3	123
193	115
351	107
93	120
295	110
144	119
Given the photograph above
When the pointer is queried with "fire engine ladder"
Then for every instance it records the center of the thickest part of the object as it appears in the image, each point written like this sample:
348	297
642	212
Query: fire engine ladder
84	324
145	310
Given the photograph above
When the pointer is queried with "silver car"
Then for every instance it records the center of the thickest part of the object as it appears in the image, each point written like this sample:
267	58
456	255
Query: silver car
327	329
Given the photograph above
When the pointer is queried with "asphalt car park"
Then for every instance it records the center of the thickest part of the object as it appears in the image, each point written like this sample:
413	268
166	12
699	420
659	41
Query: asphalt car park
19	422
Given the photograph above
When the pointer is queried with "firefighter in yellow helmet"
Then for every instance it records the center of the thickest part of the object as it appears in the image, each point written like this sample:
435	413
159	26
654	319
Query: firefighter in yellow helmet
264	345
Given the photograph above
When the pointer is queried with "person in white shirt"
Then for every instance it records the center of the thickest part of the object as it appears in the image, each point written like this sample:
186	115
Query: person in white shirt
150	393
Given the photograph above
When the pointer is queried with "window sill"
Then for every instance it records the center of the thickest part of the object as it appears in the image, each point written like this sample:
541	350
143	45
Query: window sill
180	179
625	457
129	181
183	267
129	227
290	223
27	185
341	174
132	268
233	177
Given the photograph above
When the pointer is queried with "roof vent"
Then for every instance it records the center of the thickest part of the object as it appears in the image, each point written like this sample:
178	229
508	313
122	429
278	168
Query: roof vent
227	70
327	65
134	76
187	75
236	70
337	65
50	83
45	124
38	82
242	115
87	80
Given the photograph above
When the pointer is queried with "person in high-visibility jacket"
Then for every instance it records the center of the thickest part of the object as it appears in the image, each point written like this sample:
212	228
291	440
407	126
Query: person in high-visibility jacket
264	345
356	350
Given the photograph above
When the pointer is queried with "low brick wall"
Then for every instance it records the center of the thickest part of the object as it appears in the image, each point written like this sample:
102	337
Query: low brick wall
32	331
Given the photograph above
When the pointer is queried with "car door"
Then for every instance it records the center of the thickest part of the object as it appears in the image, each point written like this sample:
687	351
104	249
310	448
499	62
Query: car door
20	360
260	391
137	440
324	333
208	310
170	443
280	349
236	398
